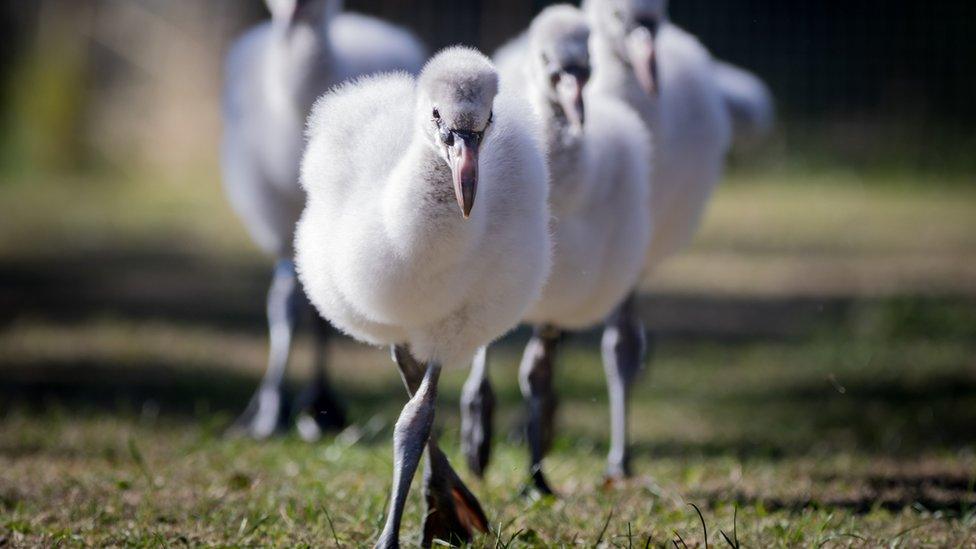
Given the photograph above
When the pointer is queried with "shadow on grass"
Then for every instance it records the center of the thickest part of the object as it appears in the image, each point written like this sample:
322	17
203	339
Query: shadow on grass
949	491
952	503
187	393
893	417
173	284
168	285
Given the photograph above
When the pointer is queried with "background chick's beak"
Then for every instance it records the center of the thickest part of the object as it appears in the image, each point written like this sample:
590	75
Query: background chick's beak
643	58
463	156
570	93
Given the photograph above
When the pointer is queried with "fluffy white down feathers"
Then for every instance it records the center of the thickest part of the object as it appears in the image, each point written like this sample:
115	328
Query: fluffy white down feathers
382	248
599	244
689	119
272	76
600	192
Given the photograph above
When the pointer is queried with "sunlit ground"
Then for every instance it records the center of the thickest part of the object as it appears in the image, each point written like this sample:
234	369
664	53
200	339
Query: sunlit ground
813	382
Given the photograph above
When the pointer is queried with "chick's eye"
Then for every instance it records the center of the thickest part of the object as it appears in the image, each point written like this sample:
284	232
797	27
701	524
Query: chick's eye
437	115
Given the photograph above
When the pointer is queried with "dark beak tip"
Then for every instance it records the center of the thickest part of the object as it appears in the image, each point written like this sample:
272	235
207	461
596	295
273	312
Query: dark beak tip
468	205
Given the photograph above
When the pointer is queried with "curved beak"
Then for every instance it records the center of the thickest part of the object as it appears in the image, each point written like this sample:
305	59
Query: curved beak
643	58
570	94
463	158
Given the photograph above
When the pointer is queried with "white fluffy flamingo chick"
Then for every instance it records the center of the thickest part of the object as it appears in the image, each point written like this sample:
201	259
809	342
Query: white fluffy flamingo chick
274	74
426	229
669	78
599	156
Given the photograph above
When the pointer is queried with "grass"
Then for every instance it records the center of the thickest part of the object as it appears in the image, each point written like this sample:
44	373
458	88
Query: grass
131	333
112	436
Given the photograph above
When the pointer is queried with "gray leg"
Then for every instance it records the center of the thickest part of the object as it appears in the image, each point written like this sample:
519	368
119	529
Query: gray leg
453	512
623	353
477	414
411	433
267	411
535	380
318	409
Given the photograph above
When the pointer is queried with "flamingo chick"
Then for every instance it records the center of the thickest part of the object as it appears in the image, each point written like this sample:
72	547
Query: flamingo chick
426	229
274	74
598	155
750	104
669	78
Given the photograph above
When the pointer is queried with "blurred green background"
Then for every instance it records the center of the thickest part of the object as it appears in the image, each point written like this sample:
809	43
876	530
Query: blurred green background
862	83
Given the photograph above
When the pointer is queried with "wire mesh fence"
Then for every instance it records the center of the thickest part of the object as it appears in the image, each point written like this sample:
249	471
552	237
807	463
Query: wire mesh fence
899	57
860	72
